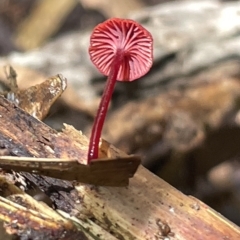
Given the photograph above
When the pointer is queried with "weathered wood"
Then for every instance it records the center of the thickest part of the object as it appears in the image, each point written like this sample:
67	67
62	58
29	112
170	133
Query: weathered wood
148	205
103	172
148	209
38	99
24	216
23	135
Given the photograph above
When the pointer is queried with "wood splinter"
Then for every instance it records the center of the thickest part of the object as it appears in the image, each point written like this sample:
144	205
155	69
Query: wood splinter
104	172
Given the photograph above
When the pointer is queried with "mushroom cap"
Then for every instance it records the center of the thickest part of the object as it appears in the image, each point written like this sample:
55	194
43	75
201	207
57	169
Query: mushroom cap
125	35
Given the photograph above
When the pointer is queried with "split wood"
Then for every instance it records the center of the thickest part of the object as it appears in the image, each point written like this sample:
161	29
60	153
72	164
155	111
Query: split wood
148	208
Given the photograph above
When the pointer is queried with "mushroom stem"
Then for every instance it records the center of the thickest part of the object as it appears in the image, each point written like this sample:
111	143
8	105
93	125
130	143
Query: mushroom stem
103	107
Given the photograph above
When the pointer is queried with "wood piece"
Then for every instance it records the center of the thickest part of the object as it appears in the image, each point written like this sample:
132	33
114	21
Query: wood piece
111	172
23	215
148	209
38	99
149	205
44	20
104	172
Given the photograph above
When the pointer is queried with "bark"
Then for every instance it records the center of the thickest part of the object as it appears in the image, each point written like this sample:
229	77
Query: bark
148	208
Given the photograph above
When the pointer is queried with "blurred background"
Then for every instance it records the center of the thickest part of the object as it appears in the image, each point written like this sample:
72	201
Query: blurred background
183	117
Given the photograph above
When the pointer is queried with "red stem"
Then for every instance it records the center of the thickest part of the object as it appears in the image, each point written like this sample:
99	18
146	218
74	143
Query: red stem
103	107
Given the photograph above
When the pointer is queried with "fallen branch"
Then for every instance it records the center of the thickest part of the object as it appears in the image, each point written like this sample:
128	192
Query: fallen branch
148	208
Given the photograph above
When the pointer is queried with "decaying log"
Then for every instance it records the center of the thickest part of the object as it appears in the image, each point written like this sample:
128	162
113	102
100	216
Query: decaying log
24	216
148	208
19	128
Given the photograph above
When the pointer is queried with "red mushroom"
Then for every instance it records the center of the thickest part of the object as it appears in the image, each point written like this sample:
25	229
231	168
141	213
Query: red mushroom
122	50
